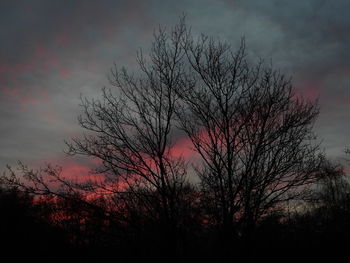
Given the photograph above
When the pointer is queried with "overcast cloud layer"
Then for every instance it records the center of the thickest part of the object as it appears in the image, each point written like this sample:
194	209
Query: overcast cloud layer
53	51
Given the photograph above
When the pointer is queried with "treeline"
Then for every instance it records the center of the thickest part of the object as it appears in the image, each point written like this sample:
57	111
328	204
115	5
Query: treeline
256	162
81	228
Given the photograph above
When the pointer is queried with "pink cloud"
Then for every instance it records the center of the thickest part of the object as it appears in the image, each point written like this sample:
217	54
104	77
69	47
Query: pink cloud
64	72
183	148
4	68
10	92
76	170
310	89
63	39
40	51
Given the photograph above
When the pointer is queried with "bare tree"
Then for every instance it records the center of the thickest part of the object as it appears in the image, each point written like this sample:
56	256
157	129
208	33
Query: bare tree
253	133
131	131
333	190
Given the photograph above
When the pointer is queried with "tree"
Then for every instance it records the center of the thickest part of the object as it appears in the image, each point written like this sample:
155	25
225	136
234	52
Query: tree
24	234
132	129
332	193
252	132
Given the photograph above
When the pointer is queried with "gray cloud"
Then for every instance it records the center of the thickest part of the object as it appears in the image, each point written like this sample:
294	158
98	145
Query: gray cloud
53	51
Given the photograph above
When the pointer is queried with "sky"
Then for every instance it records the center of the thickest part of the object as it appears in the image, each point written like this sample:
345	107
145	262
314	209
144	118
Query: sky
54	51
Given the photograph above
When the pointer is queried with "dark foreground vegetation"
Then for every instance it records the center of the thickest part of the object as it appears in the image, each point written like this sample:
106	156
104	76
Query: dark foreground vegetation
52	229
262	187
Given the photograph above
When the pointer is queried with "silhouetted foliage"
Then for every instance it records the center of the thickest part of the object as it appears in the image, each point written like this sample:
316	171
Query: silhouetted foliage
24	233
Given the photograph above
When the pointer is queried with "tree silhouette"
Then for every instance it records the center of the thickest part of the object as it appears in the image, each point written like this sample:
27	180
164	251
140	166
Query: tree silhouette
132	130
253	133
24	233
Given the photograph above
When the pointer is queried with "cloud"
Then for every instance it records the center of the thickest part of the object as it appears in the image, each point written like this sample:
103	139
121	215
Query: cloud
53	51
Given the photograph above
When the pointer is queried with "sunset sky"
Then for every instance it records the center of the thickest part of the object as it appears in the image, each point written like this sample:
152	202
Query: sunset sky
53	51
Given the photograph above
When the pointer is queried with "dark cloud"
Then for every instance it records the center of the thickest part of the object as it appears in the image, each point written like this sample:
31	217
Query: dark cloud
308	40
53	51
